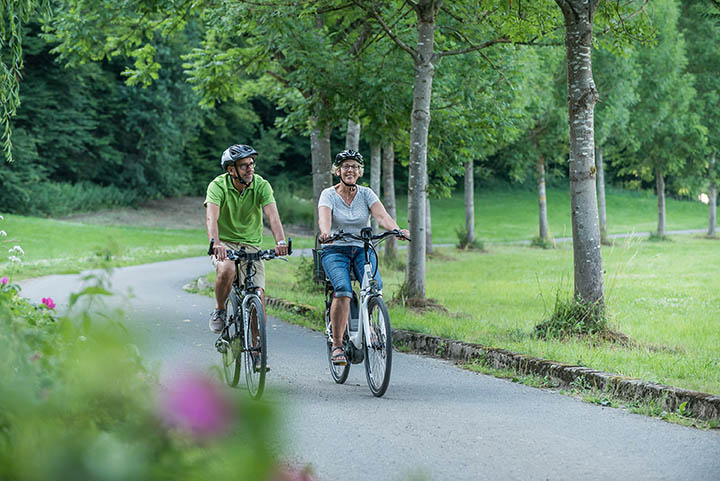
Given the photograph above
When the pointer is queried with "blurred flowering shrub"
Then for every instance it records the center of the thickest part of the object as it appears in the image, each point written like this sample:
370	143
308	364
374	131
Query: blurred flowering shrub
77	403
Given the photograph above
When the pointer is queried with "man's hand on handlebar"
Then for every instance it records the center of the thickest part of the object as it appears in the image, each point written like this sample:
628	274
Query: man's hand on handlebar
217	250
281	249
323	236
405	234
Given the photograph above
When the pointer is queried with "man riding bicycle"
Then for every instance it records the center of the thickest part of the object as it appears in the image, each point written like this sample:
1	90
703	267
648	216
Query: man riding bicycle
347	207
235	204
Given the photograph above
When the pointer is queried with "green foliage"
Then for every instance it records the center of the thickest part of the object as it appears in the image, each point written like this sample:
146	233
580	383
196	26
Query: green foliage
667	136
14	15
78	403
293	208
54	199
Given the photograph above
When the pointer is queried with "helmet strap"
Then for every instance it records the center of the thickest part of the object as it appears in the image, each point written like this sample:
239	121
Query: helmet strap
238	179
349	186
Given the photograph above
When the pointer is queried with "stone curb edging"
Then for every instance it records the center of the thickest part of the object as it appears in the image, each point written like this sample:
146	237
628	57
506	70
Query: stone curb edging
302	309
700	405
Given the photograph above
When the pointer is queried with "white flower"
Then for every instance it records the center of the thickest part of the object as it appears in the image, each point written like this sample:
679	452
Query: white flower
14	259
17	249
1	217
3	233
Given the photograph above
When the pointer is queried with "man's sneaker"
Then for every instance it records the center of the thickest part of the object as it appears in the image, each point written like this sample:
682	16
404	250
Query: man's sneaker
217	320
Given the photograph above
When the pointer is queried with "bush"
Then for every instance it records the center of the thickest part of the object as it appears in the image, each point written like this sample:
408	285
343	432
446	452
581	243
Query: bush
293	208
465	243
78	403
54	199
304	277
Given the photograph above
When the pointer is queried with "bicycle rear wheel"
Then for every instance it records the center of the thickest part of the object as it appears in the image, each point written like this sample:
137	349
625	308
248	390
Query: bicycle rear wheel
338	373
231	341
378	355
255	348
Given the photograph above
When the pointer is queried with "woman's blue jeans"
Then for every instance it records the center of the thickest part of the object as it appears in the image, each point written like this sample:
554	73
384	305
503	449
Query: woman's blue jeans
336	261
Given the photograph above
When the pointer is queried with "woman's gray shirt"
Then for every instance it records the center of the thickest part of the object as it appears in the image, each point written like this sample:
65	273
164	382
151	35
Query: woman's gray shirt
350	218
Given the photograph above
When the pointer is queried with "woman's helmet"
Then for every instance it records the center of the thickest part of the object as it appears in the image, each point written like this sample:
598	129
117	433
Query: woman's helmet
347	155
236	152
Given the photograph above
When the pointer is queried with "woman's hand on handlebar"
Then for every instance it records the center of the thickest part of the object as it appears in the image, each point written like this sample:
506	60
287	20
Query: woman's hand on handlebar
405	234
323	237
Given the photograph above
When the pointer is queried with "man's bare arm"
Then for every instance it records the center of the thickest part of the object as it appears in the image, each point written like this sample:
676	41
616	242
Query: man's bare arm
276	228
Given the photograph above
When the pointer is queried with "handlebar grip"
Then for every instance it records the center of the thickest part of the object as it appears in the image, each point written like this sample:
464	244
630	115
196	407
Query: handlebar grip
289	245
210	250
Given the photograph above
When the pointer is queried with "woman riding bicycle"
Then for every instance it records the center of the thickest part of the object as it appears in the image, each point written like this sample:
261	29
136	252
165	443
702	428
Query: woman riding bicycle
347	206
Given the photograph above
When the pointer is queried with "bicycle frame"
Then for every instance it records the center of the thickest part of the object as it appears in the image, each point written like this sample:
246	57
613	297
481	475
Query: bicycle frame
368	289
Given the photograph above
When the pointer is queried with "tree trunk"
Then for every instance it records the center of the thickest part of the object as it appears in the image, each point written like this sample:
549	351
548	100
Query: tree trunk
542	198
660	183
419	126
582	95
389	191
713	210
428	225
321	160
713	200
469	202
601	193
352	136
375	166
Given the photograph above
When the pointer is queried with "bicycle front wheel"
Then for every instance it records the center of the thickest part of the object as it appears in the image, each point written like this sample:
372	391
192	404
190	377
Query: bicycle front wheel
378	354
255	348
231	343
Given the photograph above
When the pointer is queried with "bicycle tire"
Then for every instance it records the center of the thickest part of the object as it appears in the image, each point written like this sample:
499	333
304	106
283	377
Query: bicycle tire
231	354
378	356
255	375
338	373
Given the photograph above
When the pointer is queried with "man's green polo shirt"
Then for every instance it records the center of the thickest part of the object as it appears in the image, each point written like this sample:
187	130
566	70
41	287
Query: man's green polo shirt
240	217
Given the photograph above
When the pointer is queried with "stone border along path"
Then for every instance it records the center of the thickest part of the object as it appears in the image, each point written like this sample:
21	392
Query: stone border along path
699	405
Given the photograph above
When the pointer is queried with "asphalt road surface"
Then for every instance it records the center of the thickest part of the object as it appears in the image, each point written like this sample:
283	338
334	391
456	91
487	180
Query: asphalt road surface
436	421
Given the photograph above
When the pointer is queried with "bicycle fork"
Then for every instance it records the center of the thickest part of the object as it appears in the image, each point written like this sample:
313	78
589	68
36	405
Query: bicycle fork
364	330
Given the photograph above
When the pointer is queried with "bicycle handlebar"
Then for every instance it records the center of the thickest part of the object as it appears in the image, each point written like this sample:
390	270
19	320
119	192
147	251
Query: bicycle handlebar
267	254
365	235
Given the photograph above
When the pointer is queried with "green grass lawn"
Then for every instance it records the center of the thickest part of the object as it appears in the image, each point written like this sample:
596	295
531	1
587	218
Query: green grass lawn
511	215
60	247
662	294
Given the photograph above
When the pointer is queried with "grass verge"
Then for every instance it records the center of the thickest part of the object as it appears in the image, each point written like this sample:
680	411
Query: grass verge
663	296
61	247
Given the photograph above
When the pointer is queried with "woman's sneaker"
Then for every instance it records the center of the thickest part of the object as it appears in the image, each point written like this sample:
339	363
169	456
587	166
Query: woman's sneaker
217	320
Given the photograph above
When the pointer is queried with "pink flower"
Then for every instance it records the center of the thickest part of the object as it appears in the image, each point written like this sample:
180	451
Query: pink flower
4	281
194	404
293	473
48	302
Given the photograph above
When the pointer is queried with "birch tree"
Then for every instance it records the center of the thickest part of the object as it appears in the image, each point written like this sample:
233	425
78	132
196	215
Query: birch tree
582	95
388	176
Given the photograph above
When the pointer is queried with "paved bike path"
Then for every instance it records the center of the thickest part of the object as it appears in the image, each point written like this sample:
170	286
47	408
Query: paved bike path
436	420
